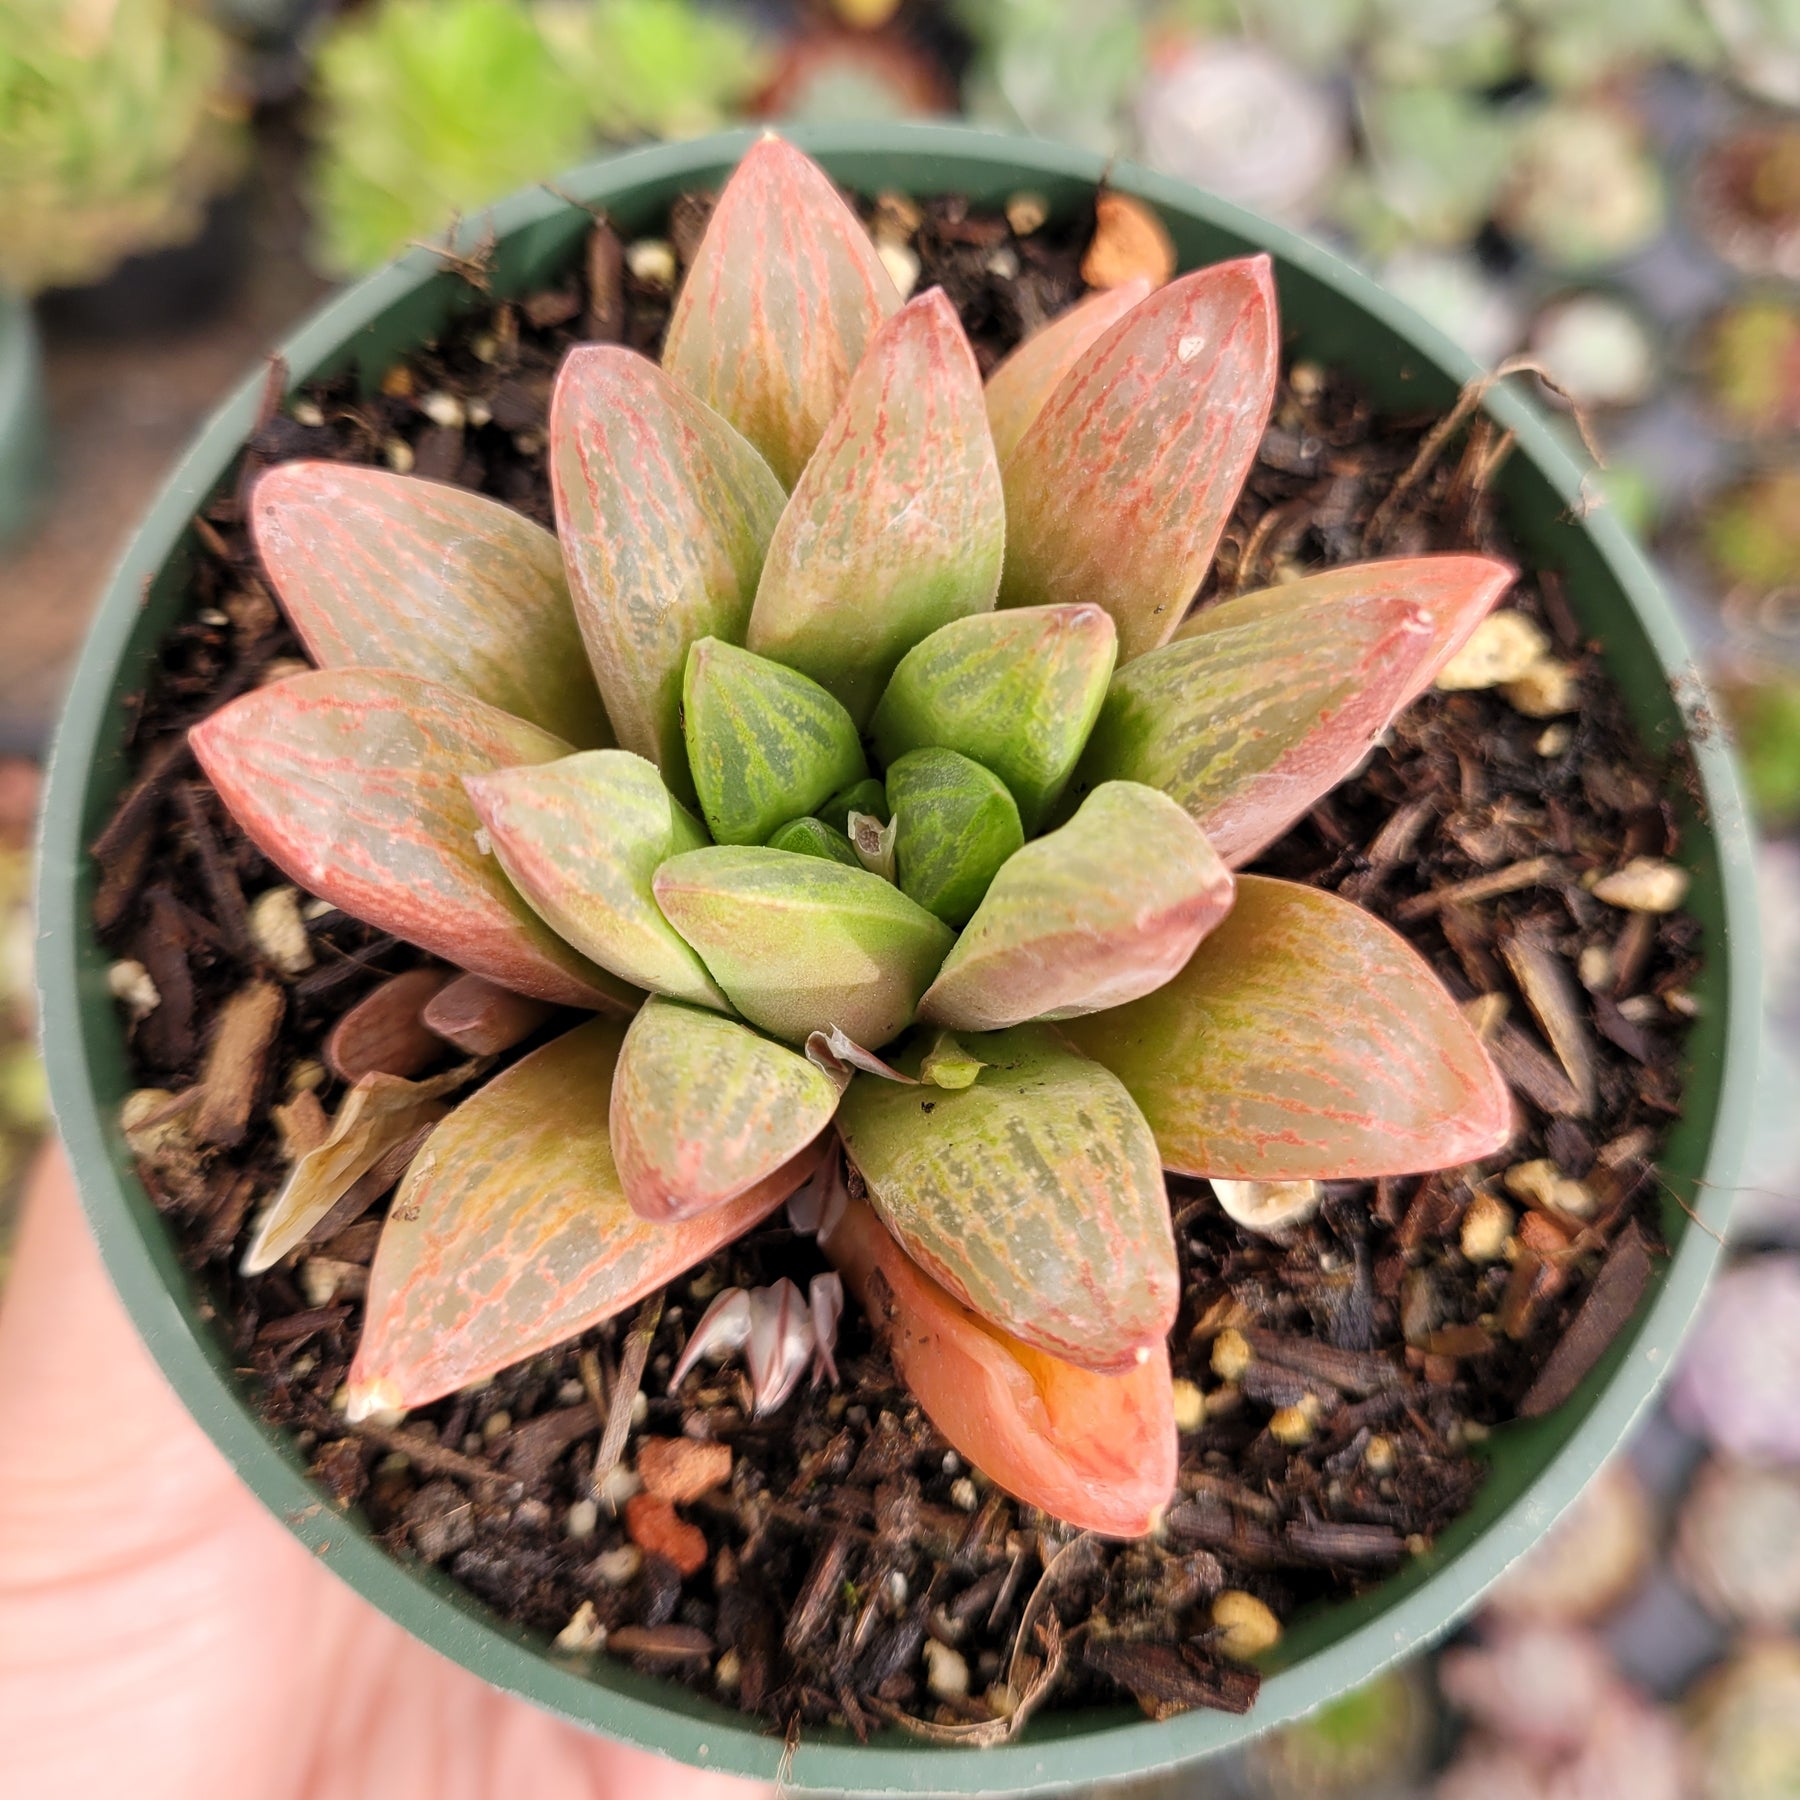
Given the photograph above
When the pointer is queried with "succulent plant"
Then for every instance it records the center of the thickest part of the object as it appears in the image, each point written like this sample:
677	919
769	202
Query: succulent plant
117	126
918	833
1750	361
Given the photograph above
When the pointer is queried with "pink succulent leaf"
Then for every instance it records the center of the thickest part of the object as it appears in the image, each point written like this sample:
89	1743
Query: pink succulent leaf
481	1019
801	944
703	1108
351	782
1096	1451
724	1328
814	1210
1119	491
780	303
384	571
839	1057
1034	1196
1453	594
825	1301
1250	719
665	513
897	525
581	839
1019	386
511	1232
1059	932
1304	1041
781	1344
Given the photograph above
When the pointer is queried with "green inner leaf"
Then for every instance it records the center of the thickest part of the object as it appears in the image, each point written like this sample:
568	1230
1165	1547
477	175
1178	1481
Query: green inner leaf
957	825
813	837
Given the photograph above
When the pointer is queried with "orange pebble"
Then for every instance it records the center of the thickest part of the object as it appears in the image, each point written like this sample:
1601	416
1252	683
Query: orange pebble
682	1469
652	1525
1129	239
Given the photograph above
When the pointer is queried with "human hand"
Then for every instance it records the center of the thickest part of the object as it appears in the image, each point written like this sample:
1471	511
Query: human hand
162	1636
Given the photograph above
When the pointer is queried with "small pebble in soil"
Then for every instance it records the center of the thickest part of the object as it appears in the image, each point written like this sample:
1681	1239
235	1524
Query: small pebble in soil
1245	1625
946	1671
1645	884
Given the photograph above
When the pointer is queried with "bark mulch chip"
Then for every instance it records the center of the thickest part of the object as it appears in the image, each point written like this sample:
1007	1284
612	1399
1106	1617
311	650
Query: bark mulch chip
849	1539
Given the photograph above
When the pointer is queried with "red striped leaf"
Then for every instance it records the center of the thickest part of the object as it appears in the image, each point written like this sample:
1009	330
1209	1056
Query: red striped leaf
1019	386
783	296
1118	492
1096	1451
384	571
1033	1195
665	513
582	839
1452	593
351	782
897	526
703	1108
1093	915
1305	1041
1252	717
511	1232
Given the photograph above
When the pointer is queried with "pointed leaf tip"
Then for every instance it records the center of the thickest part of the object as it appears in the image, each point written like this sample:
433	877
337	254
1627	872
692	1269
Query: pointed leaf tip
784	294
1033	1194
665	513
897	524
704	1108
383	571
351	782
1304	1041
1096	1451
511	1232
581	839
1119	490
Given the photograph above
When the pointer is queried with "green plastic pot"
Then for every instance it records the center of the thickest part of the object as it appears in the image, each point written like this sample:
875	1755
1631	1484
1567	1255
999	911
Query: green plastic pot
21	414
1336	316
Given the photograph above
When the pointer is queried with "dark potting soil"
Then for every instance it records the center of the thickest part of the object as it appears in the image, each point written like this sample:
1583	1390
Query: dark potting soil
849	1534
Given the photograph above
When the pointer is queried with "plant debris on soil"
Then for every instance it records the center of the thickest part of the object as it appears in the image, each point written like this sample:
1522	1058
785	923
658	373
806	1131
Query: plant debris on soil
837	1562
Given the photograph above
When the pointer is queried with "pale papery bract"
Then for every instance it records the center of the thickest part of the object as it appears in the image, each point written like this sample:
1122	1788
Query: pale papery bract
793	533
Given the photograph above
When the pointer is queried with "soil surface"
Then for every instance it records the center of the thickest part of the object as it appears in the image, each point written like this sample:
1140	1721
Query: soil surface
849	1539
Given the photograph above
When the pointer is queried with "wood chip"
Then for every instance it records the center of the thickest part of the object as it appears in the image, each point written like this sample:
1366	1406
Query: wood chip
1545	981
814	1605
1529	1070
383	1032
237	1060
1350	1371
1166	1679
1335	1544
665	1645
1603	1315
1535	871
605	322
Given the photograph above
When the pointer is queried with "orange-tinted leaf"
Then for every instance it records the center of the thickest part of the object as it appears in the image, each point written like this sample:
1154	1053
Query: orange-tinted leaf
351	782
1304	1041
1033	1195
1119	490
1093	915
897	525
1096	1451
1249	719
783	296
582	838
384	571
511	1231
703	1108
665	513
1452	593
1019	386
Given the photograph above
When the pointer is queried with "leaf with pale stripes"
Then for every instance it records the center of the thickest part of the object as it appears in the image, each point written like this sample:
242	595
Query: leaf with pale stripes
351	782
783	296
1090	916
766	744
511	1232
1034	1195
1305	1041
897	525
1096	1451
1120	489
1252	717
801	944
1453	594
665	513
384	571
703	1108
581	838
1017	692
957	824
1023	381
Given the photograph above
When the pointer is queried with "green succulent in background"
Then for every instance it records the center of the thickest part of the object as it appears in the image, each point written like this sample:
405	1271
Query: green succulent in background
117	127
1583	189
1577	46
1765	714
1752	530
1750	362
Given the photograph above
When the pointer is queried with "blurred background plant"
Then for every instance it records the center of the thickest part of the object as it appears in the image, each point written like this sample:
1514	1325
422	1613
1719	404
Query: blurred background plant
1611	186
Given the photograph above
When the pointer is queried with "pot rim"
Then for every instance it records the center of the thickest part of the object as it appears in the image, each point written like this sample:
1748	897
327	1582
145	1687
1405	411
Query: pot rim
1059	1749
